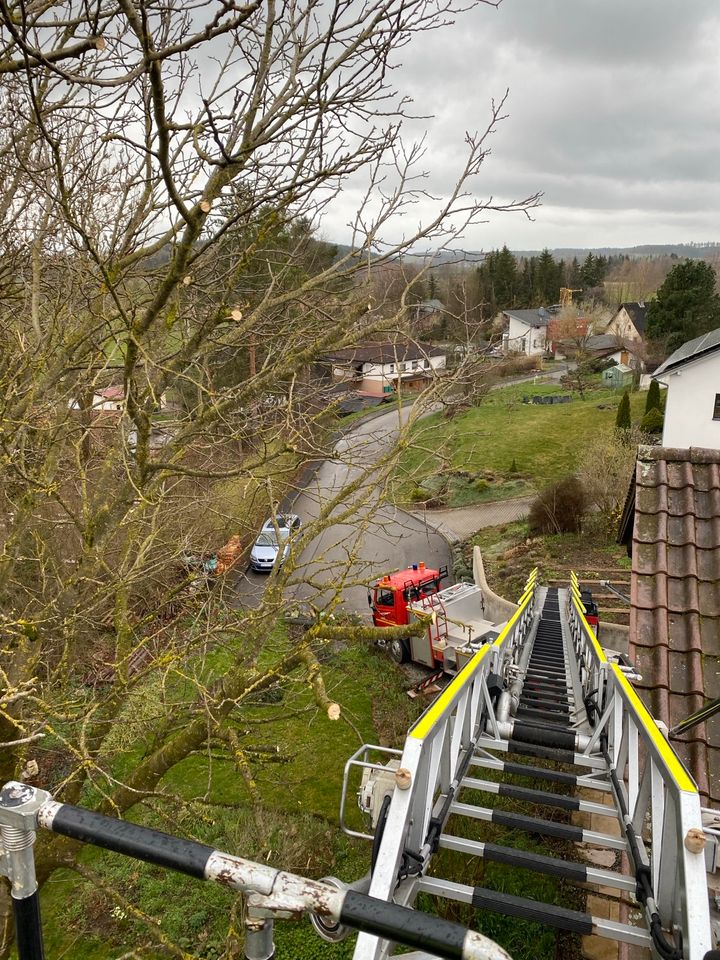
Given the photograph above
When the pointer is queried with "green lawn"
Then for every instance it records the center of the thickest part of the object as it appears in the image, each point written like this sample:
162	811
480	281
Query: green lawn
504	447
208	800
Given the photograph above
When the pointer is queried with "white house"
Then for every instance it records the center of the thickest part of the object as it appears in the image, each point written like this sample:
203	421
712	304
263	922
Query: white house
380	368
527	331
692	377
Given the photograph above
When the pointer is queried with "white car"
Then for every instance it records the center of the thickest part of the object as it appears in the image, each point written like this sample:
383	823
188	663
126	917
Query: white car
272	539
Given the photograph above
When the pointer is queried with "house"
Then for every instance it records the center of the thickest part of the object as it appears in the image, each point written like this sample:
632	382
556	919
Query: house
379	369
427	314
108	400
692	408
629	322
671	527
527	330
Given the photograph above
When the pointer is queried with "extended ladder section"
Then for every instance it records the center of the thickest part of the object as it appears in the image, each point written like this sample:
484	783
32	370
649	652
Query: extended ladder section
540	736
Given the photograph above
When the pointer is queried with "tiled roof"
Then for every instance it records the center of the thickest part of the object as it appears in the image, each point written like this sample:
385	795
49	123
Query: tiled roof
531	318
385	353
675	594
692	350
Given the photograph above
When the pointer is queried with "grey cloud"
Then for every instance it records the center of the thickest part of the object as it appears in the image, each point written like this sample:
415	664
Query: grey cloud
613	113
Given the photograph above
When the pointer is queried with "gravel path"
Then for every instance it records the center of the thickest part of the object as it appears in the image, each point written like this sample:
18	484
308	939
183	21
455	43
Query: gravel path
460	523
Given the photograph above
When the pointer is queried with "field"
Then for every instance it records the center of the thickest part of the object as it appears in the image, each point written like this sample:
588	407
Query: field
504	447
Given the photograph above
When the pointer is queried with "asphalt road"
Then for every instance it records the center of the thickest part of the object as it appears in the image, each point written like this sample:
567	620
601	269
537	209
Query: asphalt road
365	540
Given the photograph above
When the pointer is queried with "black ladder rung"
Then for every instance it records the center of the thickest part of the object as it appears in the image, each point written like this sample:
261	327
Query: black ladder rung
560	718
541	735
531	699
545	797
545	913
539	863
545	828
528	770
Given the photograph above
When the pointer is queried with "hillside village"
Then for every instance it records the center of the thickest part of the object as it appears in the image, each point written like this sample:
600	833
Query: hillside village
360	594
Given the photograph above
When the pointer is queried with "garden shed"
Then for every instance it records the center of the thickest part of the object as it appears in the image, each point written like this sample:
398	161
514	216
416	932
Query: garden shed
619	375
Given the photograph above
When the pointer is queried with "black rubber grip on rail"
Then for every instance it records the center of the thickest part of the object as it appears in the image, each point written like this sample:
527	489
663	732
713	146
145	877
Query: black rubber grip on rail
152	846
547	828
545	913
441	938
552	866
543	736
28	929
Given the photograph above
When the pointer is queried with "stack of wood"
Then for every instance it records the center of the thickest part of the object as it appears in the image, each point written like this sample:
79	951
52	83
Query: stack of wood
228	555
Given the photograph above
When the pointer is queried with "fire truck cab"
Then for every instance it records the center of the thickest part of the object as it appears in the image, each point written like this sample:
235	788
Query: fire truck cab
390	596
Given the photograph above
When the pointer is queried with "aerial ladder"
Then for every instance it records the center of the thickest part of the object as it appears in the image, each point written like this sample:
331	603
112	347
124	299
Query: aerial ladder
542	701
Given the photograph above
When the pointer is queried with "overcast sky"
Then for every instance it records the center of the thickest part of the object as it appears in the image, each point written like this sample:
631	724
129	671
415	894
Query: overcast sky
613	113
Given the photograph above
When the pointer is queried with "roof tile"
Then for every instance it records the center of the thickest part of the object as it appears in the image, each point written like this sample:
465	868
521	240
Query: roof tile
675	596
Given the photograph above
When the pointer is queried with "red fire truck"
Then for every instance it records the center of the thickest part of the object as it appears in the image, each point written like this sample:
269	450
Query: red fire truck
458	625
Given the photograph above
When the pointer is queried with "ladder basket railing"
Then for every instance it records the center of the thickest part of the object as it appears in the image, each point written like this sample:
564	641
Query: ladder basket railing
434	761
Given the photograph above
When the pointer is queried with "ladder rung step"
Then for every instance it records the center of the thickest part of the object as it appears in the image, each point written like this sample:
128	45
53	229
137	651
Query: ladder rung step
542	687
623	932
539	773
592	762
546	913
540	735
546	828
539	863
529	698
543	797
558	718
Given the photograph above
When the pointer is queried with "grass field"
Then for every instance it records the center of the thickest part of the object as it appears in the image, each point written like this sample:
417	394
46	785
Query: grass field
504	447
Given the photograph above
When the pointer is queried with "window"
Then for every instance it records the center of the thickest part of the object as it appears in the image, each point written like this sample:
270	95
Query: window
716	408
385	598
391	368
415	364
406	366
426	363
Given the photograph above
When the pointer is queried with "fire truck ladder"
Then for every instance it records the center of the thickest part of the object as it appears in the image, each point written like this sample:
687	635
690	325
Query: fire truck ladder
543	702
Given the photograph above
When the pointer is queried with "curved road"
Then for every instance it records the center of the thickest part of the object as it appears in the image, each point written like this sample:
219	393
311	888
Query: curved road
371	541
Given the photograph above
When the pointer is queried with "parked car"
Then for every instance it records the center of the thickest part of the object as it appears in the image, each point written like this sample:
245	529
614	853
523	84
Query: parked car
273	541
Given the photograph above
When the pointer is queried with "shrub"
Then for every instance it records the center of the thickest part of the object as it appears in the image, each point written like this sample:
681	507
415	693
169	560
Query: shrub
481	485
653	401
652	422
513	466
559	508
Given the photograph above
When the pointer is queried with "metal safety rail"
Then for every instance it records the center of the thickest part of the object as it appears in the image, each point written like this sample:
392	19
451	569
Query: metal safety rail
269	892
546	689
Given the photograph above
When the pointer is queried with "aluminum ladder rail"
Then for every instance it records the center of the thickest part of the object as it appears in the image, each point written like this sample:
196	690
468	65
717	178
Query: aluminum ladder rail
564	702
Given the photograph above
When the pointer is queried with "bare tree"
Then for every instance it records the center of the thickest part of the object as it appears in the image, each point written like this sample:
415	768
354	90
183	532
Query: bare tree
164	169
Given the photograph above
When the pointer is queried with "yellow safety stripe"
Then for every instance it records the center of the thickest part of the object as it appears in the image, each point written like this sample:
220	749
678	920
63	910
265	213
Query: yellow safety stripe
431	716
675	768
591	633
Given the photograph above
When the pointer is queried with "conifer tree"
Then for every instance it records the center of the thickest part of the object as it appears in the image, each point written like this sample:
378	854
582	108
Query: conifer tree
622	421
653	401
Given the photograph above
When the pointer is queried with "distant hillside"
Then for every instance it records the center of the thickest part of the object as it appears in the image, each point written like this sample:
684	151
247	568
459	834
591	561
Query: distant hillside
692	251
